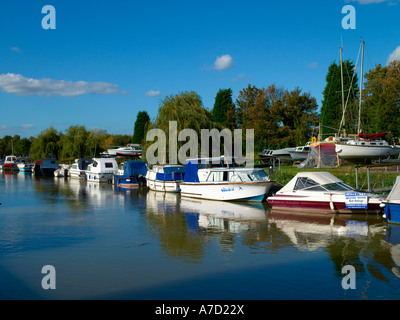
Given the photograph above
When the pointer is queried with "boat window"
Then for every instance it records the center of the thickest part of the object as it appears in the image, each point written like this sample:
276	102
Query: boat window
372	143
316	188
304	182
94	163
340	186
109	164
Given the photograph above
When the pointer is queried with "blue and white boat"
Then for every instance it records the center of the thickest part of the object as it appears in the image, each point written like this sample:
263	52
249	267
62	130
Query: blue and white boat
392	204
166	177
133	175
225	183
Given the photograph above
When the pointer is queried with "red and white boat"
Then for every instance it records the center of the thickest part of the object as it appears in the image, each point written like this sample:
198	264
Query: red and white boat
322	191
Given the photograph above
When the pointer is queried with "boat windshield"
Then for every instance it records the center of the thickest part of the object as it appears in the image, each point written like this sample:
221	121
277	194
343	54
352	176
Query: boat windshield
311	185
256	175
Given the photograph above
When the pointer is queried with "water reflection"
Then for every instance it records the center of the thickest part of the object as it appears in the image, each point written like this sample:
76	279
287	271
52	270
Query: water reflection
215	237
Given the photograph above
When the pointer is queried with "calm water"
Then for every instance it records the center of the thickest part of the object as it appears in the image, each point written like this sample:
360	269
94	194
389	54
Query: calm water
106	243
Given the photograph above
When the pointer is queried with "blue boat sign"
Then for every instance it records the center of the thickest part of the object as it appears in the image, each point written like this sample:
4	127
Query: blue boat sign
356	200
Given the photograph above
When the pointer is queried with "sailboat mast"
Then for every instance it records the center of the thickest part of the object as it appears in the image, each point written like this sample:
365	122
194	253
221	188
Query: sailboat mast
341	72
361	86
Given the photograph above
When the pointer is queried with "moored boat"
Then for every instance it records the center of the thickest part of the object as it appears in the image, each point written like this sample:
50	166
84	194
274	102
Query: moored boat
391	204
45	167
101	170
133	175
10	163
226	184
322	191
165	177
23	166
79	167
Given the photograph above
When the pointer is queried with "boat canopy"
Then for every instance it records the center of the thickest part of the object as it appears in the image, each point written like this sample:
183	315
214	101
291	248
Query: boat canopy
171	173
191	171
306	180
135	168
395	192
83	163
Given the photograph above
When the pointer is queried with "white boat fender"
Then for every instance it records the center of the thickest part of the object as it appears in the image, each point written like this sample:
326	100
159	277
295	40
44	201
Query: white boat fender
331	203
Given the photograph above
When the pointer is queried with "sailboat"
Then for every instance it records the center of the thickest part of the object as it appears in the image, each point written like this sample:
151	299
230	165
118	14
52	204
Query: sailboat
366	147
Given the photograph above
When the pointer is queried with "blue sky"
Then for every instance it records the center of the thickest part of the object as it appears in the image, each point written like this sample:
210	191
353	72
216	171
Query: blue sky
108	60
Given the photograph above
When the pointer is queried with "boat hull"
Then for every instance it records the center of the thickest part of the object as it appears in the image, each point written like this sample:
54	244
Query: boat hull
364	154
392	212
164	186
241	191
99	177
294	203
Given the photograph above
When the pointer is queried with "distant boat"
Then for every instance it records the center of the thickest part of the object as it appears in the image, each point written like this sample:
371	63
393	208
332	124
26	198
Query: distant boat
226	184
366	149
10	163
45	167
101	170
131	150
300	153
23	166
79	167
165	177
282	154
133	175
391	204
62	171
322	191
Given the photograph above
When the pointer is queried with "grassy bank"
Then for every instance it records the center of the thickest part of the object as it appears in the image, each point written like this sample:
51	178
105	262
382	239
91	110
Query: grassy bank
380	178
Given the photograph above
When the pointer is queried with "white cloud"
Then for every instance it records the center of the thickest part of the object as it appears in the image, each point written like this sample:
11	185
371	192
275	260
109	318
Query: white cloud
367	1
16	49
395	55
223	62
20	85
153	93
313	65
27	126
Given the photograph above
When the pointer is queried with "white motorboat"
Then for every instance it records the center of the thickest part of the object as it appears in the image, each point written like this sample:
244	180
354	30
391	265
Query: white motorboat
10	163
62	171
23	166
322	191
79	167
165	178
226	184
101	170
131	150
282	154
300	153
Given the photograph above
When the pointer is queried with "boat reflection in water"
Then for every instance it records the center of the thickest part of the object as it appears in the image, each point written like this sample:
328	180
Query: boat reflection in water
393	238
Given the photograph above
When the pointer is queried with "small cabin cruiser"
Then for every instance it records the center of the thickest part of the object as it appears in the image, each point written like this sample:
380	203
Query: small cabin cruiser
78	169
391	204
323	191
101	170
300	153
10	163
165	177
45	167
23	166
225	183
132	176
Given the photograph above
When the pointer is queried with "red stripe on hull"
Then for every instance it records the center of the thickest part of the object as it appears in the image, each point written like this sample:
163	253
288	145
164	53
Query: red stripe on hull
340	207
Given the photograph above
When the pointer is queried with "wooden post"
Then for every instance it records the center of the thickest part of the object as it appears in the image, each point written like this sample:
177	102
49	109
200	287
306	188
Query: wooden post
356	178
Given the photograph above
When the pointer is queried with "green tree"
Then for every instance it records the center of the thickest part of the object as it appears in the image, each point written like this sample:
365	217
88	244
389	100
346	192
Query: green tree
48	142
332	103
142	121
186	108
222	108
381	100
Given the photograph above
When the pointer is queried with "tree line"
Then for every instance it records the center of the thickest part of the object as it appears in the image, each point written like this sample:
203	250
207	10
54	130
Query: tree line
279	117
